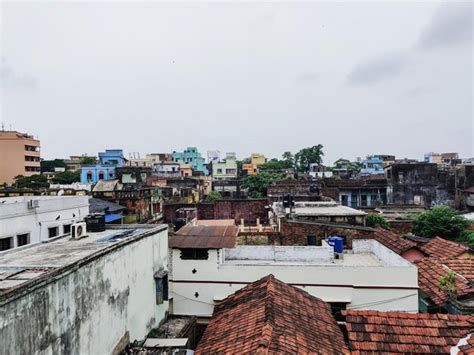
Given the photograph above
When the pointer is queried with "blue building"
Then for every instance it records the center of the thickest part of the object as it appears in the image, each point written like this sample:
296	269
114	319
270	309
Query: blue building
109	160
112	157
92	174
373	165
193	157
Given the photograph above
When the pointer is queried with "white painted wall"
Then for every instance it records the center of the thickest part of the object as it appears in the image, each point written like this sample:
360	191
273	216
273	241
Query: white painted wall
89	309
391	286
16	218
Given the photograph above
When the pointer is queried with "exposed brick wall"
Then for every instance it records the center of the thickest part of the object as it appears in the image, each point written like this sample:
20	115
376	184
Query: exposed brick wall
249	210
296	233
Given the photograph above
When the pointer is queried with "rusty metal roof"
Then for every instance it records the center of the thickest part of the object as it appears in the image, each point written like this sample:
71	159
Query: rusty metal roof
205	237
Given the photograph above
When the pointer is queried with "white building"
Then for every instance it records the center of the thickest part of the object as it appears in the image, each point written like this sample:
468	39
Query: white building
84	296
207	266
33	219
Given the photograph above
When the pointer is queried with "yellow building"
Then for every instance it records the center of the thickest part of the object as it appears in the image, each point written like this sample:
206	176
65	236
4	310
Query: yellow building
255	161
19	155
186	170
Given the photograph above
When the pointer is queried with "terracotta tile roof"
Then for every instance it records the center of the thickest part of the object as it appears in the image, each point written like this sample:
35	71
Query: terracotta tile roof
373	332
462	266
269	316
466	345
393	241
205	237
430	271
441	248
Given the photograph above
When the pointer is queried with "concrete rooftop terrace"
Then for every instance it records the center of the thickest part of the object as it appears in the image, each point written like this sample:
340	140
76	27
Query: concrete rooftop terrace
365	253
25	265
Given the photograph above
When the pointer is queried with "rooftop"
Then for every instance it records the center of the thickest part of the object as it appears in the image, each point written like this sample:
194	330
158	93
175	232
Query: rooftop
393	241
430	272
365	253
205	237
319	208
279	318
396	332
22	266
441	248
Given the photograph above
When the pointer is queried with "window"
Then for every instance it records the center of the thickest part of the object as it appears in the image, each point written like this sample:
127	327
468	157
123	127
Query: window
161	284
22	239
363	200
400	177
6	243
89	176
66	229
194	254
128	179
219	171
101	175
53	232
312	240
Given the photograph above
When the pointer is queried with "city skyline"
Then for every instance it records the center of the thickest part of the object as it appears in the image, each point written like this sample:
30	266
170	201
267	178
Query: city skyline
358	78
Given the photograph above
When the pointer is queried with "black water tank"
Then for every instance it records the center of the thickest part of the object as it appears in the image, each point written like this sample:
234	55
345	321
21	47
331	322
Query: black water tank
95	222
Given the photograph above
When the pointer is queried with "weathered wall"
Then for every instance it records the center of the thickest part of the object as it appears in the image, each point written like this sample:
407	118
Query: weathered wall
296	233
89	308
249	210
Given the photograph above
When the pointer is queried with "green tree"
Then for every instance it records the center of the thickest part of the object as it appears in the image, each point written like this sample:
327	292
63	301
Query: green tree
307	156
439	221
67	177
373	220
213	196
289	159
258	183
347	164
31	182
275	164
49	165
466	237
88	160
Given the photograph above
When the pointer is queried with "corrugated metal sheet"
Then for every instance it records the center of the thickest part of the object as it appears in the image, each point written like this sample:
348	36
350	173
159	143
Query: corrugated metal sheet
205	237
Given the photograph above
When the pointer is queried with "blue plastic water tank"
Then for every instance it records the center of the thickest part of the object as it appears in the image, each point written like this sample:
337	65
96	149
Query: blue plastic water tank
337	243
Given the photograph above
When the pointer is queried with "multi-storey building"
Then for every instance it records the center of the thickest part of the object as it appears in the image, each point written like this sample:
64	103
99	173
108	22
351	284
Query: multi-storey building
19	155
193	157
225	169
33	219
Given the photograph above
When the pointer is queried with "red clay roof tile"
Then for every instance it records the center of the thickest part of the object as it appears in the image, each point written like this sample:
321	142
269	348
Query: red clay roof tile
430	272
372	331
393	241
441	248
272	316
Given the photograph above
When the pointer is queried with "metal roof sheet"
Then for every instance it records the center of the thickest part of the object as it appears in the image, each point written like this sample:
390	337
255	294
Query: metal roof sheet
205	237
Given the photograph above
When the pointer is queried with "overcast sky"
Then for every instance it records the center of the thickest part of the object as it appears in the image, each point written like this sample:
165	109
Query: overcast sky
357	77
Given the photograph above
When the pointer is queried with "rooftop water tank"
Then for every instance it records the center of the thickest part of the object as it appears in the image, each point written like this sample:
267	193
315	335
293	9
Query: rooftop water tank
337	243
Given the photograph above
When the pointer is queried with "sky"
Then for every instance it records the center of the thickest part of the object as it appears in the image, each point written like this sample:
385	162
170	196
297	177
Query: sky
247	77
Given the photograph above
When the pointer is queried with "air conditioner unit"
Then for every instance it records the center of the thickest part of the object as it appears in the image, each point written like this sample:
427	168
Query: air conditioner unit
78	230
33	204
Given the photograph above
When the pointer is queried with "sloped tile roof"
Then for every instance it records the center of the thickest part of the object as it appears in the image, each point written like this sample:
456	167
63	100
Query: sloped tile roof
270	316
393	241
373	332
466	345
441	248
430	272
462	266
